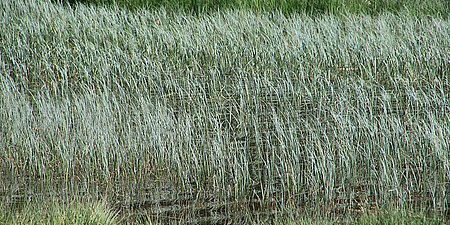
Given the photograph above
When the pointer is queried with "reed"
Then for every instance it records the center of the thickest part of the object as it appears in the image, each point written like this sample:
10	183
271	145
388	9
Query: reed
315	7
349	111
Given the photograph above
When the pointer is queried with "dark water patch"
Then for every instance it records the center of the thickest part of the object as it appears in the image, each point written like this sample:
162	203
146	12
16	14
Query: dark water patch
164	202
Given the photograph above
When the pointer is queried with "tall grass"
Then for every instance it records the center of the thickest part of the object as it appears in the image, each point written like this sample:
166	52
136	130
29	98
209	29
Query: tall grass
332	112
314	7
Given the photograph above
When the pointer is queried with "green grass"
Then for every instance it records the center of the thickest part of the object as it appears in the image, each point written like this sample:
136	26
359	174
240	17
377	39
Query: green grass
58	214
417	7
255	110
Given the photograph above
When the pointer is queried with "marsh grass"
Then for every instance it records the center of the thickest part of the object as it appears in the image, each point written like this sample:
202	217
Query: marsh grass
59	213
315	7
333	114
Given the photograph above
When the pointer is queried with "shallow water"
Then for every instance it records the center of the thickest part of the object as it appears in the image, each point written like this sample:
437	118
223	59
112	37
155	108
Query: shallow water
150	200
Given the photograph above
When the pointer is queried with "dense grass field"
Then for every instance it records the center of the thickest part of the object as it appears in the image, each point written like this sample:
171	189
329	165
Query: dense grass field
217	116
315	7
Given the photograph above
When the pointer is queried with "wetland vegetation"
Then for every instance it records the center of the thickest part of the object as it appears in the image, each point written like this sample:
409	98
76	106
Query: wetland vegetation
315	7
231	116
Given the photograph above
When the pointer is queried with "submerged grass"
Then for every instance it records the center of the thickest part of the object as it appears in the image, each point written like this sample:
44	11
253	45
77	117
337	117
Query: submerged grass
393	217
330	114
100	214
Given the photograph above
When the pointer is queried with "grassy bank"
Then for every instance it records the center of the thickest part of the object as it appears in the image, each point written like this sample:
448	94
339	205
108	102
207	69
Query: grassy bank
252	111
415	7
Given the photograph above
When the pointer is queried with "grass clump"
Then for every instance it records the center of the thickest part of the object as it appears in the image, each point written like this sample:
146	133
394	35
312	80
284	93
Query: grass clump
55	213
